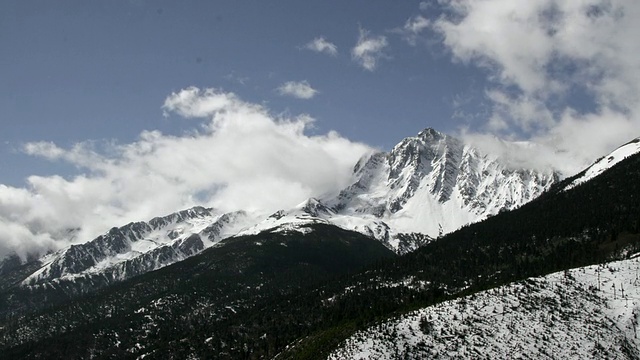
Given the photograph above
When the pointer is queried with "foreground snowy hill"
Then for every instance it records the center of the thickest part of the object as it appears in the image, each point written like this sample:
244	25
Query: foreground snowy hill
584	313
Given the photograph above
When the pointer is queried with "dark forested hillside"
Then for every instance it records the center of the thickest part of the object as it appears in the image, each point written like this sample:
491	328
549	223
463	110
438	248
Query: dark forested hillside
178	310
298	295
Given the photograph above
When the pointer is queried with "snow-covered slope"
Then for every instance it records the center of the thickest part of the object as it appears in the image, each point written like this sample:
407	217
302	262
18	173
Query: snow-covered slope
139	247
584	313
619	154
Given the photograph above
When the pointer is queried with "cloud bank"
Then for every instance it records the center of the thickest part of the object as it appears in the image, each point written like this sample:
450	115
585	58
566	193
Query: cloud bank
564	74
297	89
243	158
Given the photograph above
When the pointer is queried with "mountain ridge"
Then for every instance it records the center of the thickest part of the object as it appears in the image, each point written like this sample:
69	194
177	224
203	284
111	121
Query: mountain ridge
426	186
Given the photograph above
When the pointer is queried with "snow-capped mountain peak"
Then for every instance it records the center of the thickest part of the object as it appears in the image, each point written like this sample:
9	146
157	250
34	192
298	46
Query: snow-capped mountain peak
315	207
426	186
434	183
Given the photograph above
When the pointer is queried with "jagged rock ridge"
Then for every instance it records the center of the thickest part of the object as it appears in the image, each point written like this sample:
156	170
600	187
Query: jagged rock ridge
138	247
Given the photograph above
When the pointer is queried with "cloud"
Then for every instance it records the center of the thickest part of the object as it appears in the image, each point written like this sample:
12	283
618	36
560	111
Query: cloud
564	74
297	89
244	158
413	28
369	50
425	5
236	78
192	103
321	45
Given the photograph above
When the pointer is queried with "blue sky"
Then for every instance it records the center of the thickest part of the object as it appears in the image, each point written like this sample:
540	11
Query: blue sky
119	111
77	70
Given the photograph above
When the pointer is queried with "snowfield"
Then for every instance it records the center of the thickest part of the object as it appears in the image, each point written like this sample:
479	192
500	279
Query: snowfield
584	313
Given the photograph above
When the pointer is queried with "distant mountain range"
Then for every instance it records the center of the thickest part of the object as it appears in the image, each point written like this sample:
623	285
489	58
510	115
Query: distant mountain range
432	220
425	187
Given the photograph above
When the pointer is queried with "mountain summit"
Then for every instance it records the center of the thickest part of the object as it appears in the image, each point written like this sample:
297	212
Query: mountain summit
433	184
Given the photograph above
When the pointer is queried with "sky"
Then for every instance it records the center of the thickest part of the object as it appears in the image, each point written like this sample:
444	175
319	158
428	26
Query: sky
118	111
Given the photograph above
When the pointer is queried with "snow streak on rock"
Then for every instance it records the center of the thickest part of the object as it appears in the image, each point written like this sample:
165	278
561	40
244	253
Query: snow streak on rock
585	313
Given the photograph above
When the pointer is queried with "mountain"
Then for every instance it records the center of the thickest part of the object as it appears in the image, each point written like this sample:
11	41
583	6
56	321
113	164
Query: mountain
585	313
119	254
296	292
434	184
298	282
427	186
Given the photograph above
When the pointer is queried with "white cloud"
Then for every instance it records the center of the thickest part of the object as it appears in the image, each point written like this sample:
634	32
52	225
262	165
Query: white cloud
413	28
192	103
321	45
297	89
369	50
538	55
244	158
